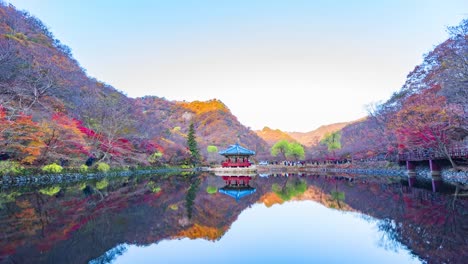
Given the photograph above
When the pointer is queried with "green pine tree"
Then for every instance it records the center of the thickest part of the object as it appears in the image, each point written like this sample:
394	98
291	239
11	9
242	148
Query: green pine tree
193	146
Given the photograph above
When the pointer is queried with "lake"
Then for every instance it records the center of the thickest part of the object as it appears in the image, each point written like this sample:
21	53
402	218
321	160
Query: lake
205	218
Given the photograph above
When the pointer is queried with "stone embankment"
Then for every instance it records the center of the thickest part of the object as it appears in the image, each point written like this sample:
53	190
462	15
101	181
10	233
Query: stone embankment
47	179
448	175
423	173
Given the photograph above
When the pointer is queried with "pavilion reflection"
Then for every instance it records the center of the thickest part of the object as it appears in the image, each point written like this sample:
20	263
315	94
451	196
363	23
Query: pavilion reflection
237	187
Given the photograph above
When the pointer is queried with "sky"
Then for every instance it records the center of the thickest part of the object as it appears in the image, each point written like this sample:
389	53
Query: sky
292	65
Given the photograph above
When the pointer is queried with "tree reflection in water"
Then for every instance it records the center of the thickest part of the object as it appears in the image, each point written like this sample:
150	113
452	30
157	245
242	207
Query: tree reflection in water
85	223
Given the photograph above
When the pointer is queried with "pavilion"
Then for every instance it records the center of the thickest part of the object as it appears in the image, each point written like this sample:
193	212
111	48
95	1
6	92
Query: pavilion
236	156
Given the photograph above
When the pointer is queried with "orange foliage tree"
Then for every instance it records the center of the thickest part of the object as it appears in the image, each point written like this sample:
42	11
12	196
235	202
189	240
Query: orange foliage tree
63	139
21	137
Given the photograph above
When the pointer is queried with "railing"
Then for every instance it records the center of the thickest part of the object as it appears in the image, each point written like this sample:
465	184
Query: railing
429	154
235	164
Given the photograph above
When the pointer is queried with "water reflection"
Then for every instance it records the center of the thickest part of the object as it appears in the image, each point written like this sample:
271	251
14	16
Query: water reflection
237	186
103	219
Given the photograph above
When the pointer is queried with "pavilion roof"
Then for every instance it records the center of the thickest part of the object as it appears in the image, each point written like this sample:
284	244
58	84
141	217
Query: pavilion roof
237	193
237	150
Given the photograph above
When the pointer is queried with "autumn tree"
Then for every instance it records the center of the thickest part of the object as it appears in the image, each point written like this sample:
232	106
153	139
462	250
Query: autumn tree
450	68
21	137
108	121
63	140
426	121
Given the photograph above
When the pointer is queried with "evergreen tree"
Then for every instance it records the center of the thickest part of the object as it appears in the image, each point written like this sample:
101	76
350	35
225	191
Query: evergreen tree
193	146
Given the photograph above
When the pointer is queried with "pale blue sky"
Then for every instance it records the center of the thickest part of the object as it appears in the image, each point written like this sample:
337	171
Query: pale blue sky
293	65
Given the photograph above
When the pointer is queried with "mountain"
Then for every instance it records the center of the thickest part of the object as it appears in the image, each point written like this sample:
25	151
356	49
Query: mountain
308	139
271	136
52	111
214	123
313	137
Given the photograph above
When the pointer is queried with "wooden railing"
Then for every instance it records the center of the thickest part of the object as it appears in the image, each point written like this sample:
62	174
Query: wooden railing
429	154
232	164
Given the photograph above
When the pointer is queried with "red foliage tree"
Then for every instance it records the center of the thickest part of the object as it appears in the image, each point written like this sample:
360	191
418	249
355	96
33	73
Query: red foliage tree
425	122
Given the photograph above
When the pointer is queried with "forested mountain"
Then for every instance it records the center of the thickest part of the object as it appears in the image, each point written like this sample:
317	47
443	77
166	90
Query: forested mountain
308	139
313	137
271	136
428	114
51	111
214	123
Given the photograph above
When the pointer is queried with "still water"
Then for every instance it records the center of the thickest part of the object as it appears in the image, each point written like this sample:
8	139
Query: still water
204	218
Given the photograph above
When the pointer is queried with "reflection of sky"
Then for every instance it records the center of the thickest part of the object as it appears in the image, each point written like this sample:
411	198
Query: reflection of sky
295	232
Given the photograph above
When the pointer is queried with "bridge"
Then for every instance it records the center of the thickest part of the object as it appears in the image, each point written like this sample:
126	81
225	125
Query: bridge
457	152
411	157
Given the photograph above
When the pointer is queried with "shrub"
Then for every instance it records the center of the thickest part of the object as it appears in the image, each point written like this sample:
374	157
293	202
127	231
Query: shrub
155	157
153	187
50	191
211	189
276	188
103	167
339	196
186	173
10	167
83	168
52	168
82	186
102	184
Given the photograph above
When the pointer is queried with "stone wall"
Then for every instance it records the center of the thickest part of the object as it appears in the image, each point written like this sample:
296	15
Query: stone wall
47	179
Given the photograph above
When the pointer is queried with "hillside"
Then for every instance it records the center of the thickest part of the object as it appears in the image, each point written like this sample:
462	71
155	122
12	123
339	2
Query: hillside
313	137
308	139
271	136
427	116
214	123
52	111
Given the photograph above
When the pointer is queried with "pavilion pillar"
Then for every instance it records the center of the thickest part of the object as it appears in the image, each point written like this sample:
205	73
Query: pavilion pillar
435	168
435	175
411	171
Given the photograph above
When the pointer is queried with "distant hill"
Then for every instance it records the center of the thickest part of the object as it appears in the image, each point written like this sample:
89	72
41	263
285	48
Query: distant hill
308	139
313	137
271	136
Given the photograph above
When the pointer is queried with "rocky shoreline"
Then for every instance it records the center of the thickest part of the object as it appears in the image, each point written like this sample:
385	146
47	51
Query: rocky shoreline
447	175
47	179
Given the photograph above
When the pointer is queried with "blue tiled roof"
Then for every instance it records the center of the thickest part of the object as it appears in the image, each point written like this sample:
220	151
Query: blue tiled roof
237	150
237	193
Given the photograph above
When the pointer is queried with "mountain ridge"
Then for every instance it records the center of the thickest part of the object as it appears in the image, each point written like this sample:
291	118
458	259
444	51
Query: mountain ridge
308	139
